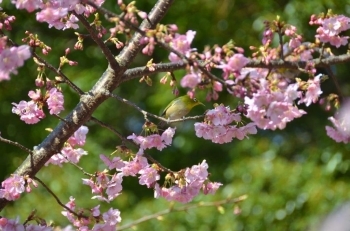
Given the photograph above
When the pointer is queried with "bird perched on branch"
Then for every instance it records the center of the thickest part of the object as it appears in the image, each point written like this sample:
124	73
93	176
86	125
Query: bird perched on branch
179	107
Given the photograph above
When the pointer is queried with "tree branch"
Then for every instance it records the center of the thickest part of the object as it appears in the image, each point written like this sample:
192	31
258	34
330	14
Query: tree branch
138	72
183	208
18	145
109	80
94	35
57	199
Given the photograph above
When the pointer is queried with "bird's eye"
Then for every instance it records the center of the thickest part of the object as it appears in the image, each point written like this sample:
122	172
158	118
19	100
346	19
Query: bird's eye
194	100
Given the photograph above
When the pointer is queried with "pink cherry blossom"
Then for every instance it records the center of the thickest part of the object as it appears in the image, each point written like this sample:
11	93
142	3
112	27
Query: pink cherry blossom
115	163
148	176
337	133
35	95
154	140
340	132
68	153
233	66
56	159
95	211
73	155
55	101
267	36
95	188
331	28
185	189
12	188
182	43
52	16
29	112
191	80
112	217
11	59
313	91
131	168
167	136
11	225
79	136
30	6
197	172
211	187
272	109
216	126
221	115
114	186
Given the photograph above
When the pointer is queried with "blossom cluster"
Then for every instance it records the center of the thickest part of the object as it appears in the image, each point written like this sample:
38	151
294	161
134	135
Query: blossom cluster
105	221
13	186
330	28
187	184
14	224
11	58
217	126
270	98
272	106
69	153
341	122
106	187
31	112
184	185
182	44
154	140
56	13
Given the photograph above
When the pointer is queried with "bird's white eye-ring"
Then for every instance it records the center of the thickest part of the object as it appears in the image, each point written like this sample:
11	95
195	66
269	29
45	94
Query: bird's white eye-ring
194	100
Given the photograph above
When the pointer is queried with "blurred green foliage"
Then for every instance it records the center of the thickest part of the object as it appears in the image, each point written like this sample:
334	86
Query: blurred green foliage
292	177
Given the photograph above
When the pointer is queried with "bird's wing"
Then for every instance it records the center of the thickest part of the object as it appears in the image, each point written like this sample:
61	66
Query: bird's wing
169	105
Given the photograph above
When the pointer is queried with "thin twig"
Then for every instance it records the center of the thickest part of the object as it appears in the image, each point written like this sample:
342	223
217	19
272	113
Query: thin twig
94	35
18	145
57	199
183	208
59	73
335	81
280	38
145	113
149	157
164	45
190	60
102	124
137	72
50	67
114	15
78	167
59	117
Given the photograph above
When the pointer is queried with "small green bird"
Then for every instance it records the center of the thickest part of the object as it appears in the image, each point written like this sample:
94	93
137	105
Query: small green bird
180	107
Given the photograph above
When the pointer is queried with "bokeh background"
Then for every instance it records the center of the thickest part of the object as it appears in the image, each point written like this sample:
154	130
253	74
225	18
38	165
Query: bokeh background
293	178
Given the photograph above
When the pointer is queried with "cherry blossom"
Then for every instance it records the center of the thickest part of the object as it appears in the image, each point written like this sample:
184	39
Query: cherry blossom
55	101
12	187
182	43
29	112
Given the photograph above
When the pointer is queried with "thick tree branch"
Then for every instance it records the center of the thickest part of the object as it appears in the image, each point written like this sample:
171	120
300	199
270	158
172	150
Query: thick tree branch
138	72
109	80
